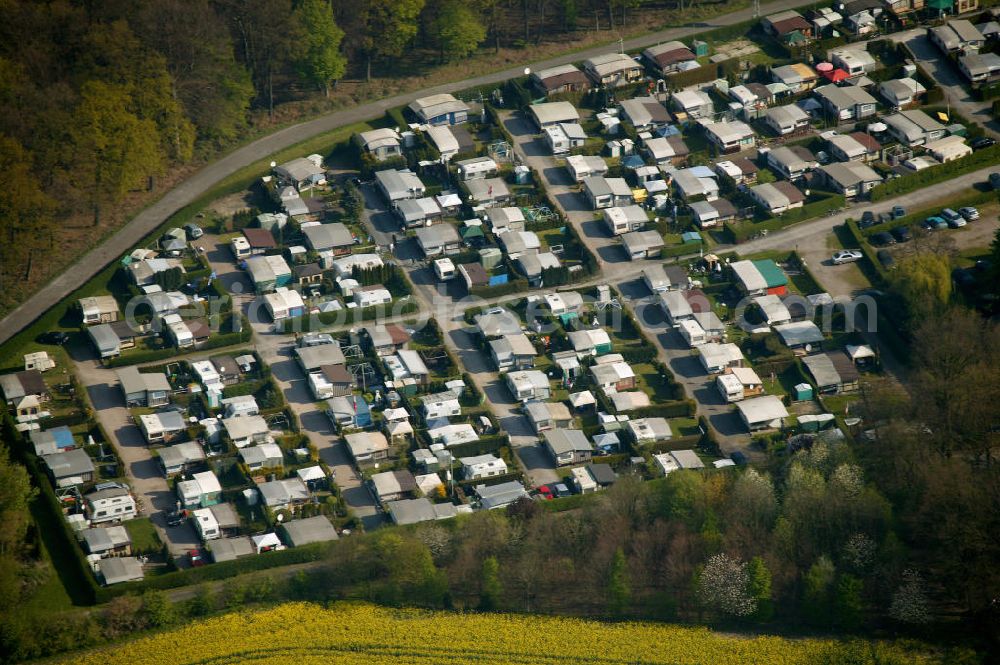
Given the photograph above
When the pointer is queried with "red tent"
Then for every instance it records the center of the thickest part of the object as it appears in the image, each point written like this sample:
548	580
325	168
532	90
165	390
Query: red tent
837	75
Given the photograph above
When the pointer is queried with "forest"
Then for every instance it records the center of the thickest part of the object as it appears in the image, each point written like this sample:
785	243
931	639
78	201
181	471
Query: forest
892	533
103	105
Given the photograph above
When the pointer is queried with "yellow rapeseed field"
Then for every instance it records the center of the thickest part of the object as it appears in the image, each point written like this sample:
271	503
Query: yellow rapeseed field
304	634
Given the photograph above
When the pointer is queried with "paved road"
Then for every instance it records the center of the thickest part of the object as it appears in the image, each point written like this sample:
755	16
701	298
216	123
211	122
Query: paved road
141	469
564	192
188	191
952	82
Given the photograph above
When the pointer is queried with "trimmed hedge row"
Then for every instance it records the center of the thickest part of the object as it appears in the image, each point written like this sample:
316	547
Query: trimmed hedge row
512	286
742	232
313	321
937	174
486	444
214	342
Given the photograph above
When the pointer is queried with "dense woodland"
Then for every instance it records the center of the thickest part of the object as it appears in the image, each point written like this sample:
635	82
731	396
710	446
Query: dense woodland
100	100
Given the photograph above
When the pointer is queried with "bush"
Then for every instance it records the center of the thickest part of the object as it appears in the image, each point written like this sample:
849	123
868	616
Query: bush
741	232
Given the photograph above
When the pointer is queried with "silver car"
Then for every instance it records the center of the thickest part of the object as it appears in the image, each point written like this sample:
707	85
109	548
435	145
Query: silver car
847	256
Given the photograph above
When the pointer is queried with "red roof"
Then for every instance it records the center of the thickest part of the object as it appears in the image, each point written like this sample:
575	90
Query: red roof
869	142
260	238
837	75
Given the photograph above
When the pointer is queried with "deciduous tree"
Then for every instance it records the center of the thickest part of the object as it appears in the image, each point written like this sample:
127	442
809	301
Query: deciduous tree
320	58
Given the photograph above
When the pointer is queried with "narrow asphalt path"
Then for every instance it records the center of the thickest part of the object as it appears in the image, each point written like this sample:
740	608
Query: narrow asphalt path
188	191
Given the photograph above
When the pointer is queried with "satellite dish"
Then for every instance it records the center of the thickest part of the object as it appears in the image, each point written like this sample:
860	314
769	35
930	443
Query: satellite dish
808	348
273	164
281	517
527	71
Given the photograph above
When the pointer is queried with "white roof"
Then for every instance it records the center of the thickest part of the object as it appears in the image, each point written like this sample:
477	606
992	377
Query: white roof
719	355
553	112
774	310
207	482
443	139
748	274
610	63
436	105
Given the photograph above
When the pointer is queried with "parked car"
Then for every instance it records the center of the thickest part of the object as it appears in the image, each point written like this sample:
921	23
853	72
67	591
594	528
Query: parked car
885	258
964	279
193	231
956	223
969	213
846	256
982	142
902	234
950	215
55	337
898	212
554	490
175	518
882	238
995	180
934	223
739	458
197	559
868	218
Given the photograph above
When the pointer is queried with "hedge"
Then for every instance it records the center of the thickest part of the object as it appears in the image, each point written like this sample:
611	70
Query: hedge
222	570
511	286
67	556
870	264
937	174
677	443
742	232
638	354
471	396
684	408
486	444
491	480
153	355
314	321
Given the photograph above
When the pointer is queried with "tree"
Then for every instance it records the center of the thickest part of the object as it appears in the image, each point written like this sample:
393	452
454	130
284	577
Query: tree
847	603
816	587
759	588
213	88
115	150
15	494
157	610
459	31
490	588
387	27
320	60
723	586
121	616
24	211
924	282
909	603
619	585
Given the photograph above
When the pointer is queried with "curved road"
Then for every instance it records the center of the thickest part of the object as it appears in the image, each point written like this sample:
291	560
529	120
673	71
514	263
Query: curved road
188	191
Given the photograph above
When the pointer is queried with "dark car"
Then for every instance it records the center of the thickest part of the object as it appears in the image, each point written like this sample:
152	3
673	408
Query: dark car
175	518
995	180
867	219
882	238
55	337
964	279
898	212
885	258
902	234
933	223
982	142
739	458
554	490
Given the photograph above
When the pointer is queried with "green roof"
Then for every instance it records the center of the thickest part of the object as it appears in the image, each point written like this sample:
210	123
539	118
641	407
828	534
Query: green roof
472	232
772	274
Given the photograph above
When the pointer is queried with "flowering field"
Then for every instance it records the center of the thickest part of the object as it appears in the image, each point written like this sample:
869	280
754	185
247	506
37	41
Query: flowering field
303	634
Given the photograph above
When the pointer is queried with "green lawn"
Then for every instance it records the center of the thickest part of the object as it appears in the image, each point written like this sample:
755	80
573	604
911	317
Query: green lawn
650	381
684	426
145	540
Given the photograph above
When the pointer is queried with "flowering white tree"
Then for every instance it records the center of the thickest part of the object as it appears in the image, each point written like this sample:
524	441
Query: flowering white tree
909	603
723	587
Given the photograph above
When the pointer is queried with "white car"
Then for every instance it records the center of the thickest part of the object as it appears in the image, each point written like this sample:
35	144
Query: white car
846	256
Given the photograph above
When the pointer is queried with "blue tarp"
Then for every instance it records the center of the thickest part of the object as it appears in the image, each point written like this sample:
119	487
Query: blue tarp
691	236
667	131
498	279
633	162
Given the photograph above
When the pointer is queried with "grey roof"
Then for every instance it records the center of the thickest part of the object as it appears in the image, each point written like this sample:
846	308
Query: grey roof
787	115
107	493
309	530
399	184
262	454
553	112
71	463
227	549
418	209
531	265
101	539
601	186
687	459
493	325
120	569
437	235
487	189
411	511
104	337
762	409
433	106
225	514
299	168
280	492
822	370
843	98
314	357
499	495
641	241
562	441
181	453
602	474
849	174
133	381
328	236
800	332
